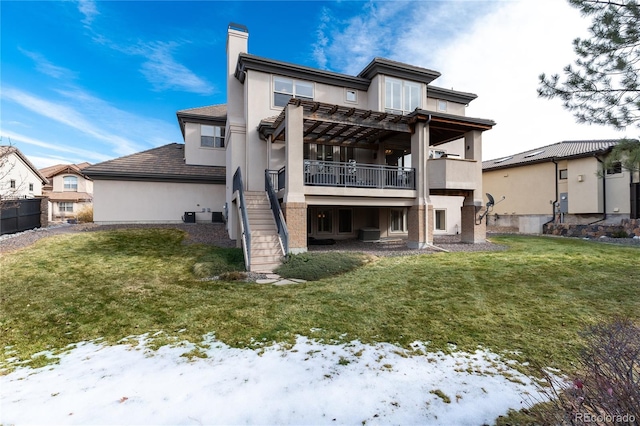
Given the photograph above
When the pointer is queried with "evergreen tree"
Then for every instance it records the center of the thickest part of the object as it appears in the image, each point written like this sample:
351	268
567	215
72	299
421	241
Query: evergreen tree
603	85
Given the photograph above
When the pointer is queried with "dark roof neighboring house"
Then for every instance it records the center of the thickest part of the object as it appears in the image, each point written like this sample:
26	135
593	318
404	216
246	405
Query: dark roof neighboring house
162	164
71	196
562	150
212	114
6	150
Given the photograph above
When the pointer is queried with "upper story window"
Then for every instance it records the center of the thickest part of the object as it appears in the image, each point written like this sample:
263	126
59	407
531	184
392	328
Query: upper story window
211	136
401	96
70	183
12	183
615	168
351	95
442	105
287	88
30	187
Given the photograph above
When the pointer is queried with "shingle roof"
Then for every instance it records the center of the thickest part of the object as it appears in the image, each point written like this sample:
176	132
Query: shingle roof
68	196
560	150
165	163
211	111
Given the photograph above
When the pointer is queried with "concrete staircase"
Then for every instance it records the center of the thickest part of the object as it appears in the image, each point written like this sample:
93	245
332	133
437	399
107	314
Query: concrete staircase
266	251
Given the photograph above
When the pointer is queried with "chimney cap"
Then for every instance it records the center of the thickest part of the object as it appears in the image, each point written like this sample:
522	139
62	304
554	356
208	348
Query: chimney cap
239	27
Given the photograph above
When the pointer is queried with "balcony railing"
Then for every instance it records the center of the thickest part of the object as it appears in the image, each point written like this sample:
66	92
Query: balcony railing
354	175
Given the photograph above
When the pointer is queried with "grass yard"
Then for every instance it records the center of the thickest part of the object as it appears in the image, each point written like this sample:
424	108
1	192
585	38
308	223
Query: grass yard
529	302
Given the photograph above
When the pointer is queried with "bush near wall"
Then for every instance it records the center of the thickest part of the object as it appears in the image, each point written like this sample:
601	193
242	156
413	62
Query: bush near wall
630	227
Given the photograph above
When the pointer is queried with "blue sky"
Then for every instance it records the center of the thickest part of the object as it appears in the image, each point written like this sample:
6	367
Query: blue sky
94	80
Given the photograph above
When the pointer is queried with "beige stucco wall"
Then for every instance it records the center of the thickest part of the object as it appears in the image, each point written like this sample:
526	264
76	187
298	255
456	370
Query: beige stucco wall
452	107
149	202
528	190
14	168
84	185
453	217
201	155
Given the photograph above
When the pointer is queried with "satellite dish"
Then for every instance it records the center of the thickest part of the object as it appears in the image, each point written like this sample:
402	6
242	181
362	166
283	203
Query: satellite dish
491	201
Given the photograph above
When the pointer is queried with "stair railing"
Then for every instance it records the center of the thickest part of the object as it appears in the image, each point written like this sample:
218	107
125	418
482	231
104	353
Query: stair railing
244	218
283	232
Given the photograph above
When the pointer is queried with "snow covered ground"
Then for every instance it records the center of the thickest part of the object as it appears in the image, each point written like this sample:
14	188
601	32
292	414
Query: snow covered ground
309	383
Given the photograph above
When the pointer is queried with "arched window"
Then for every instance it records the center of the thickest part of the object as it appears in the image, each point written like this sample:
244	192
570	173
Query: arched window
70	183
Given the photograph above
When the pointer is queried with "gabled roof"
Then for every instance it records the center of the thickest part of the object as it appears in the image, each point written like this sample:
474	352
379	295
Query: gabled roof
212	114
6	150
165	163
51	171
557	151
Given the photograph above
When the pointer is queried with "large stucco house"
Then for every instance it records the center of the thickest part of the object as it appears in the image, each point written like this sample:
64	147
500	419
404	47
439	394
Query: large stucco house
563	182
69	190
299	153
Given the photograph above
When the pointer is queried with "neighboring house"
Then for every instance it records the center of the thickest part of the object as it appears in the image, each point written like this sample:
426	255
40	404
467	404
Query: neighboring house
18	177
69	190
563	182
383	154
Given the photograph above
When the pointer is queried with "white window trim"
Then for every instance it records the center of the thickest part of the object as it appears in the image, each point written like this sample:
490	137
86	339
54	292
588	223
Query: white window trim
70	189
442	102
222	138
293	95
444	229
346	96
403	84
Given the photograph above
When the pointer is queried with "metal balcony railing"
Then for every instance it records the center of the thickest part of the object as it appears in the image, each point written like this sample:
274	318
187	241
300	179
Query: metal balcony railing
354	175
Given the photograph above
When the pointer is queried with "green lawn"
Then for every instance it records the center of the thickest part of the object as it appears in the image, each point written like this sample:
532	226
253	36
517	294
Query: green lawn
529	302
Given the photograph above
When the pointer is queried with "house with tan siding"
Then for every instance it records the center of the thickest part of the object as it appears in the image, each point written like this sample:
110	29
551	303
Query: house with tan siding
299	153
565	182
69	190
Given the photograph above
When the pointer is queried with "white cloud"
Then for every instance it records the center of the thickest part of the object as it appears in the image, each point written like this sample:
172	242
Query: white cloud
89	9
46	67
494	49
164	72
77	155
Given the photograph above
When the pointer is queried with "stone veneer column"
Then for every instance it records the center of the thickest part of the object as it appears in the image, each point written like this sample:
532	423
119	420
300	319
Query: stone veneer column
294	203
296	217
470	232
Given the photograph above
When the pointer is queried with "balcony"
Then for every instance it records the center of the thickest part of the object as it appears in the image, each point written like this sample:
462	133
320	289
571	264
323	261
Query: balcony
452	173
350	175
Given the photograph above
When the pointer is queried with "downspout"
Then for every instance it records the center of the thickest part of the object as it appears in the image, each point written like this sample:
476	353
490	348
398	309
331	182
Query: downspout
553	204
604	191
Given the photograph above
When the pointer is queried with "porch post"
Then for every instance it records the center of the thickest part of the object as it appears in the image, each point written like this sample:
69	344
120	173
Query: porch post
470	232
420	216
294	204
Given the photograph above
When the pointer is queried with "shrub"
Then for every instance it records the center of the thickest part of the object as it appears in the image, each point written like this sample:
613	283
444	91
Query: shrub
607	388
315	266
621	233
85	214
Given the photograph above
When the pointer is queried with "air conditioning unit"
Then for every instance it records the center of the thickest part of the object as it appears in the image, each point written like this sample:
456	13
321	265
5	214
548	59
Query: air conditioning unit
189	217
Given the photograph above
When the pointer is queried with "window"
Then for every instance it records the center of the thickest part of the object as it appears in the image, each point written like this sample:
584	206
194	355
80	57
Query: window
324	152
346	154
401	96
325	221
287	88
30	187
615	168
344	221
351	95
12	183
442	105
70	183
441	224
211	136
398	220
65	207
563	174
